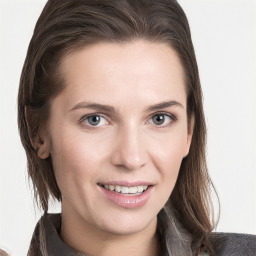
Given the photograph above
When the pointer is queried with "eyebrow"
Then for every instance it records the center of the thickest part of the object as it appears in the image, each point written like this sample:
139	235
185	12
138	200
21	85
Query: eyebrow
110	109
164	104
96	106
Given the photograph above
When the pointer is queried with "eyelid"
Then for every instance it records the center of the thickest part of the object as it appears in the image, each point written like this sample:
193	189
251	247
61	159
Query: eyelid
85	117
170	115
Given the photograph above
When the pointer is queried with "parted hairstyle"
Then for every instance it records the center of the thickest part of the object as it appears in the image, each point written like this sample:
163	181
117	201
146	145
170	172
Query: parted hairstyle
66	26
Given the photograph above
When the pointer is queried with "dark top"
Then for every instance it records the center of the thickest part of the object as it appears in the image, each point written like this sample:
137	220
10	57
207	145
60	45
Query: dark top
47	229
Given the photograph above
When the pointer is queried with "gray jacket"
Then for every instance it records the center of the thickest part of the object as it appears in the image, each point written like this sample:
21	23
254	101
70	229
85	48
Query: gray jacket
224	244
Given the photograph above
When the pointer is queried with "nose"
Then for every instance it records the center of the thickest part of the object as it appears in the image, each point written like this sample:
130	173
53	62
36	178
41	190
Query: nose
129	151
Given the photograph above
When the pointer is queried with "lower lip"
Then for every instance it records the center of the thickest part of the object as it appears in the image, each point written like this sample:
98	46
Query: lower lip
128	201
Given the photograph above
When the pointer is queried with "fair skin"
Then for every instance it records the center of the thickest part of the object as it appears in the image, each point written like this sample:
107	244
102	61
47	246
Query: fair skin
135	140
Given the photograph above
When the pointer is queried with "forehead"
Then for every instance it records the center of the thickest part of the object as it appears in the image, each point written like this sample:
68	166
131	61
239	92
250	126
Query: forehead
114	70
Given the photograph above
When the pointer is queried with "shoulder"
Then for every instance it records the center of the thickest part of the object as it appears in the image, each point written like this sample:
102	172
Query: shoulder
233	244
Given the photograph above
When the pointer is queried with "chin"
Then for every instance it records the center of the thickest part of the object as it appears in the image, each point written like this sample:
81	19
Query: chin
127	224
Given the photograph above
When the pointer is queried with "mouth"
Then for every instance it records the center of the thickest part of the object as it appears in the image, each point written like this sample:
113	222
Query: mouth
125	190
127	194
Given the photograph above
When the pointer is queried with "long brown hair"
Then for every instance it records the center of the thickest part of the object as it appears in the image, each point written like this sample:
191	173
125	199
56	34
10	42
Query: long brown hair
66	26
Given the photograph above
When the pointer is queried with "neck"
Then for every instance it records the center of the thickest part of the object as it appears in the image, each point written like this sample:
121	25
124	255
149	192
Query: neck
83	236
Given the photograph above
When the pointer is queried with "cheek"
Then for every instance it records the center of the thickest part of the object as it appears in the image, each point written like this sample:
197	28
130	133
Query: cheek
171	149
74	162
167	158
168	165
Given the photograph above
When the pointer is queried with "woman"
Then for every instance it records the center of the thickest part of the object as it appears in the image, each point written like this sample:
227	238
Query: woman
111	118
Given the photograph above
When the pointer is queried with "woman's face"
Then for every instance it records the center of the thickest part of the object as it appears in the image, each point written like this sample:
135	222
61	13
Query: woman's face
121	123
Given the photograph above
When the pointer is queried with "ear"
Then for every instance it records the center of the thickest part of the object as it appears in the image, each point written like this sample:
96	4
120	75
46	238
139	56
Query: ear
190	133
42	144
40	141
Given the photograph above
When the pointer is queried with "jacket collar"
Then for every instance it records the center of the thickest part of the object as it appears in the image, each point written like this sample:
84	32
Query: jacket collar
46	239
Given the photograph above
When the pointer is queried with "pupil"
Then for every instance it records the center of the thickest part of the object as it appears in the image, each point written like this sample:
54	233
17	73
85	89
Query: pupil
94	120
159	119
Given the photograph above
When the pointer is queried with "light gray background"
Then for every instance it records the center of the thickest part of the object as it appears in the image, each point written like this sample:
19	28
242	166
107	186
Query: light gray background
224	36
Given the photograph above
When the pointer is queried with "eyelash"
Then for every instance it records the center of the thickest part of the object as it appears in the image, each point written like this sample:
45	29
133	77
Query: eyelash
86	117
169	115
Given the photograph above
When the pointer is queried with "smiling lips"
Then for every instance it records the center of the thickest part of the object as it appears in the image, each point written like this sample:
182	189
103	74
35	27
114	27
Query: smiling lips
127	196
134	190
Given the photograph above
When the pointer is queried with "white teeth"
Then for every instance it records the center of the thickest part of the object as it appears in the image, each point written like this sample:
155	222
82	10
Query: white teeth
117	188
133	190
126	190
141	188
111	187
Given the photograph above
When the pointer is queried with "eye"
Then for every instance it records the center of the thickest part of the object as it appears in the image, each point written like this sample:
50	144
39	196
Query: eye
94	120
162	120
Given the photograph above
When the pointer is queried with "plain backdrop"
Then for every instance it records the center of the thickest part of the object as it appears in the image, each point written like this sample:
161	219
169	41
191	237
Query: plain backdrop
224	36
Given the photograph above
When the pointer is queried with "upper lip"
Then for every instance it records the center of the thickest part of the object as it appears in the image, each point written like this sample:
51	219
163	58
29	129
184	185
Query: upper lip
127	183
